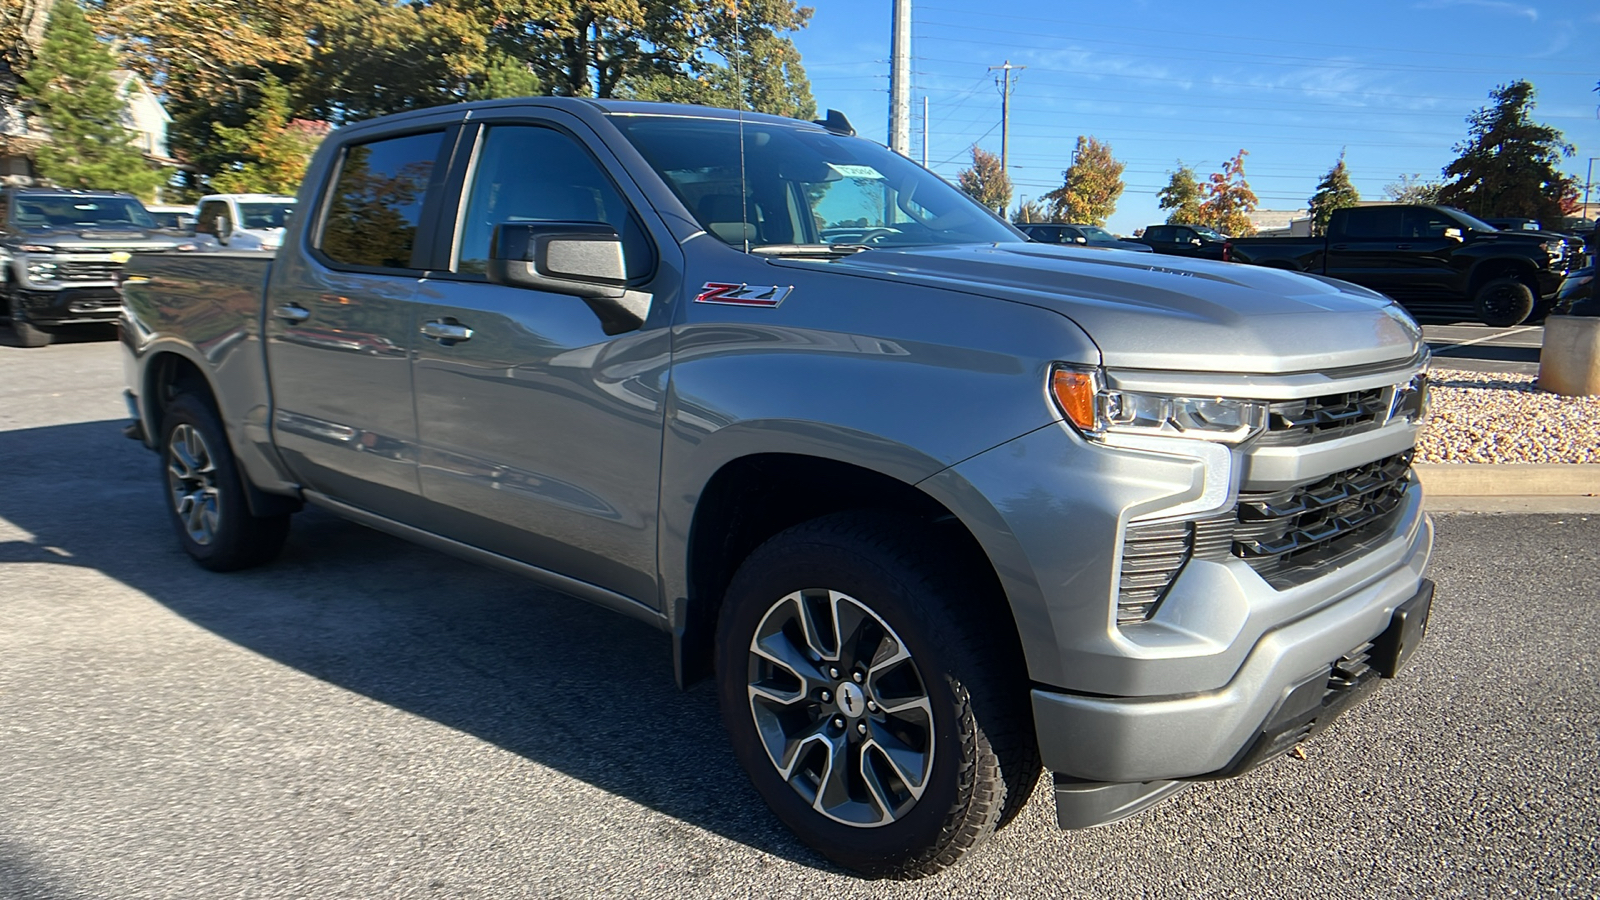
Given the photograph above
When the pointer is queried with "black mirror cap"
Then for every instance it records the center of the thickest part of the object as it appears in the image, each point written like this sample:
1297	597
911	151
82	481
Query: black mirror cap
581	259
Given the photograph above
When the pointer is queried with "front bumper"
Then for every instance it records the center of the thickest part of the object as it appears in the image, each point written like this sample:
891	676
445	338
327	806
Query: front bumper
1276	697
68	306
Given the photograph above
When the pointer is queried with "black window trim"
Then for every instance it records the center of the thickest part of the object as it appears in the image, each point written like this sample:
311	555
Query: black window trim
423	247
453	199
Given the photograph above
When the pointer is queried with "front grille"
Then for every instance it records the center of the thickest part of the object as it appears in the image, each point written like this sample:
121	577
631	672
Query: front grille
1326	417
1151	558
84	270
1294	535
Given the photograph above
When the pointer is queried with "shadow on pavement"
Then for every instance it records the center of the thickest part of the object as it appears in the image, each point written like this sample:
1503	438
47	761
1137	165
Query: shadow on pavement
568	685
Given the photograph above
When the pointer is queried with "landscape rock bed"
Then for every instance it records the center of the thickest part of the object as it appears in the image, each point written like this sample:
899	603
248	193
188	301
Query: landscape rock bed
1480	417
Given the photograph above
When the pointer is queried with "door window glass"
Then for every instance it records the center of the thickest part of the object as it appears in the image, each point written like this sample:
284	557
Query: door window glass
1376	222
1421	222
377	202
525	173
1159	233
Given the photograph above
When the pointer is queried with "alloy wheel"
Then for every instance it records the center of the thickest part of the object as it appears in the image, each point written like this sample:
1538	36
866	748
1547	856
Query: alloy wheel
192	483
841	708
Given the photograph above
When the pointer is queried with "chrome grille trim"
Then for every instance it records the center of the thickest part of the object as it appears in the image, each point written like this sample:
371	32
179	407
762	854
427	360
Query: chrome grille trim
1326	417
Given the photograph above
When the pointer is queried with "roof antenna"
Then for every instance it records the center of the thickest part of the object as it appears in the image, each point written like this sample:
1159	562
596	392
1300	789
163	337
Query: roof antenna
738	86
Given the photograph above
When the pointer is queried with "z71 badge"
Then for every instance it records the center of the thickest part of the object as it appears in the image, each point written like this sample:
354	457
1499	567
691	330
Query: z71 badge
743	294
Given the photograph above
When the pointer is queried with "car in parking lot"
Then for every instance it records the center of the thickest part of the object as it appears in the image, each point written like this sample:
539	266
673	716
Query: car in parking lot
1080	235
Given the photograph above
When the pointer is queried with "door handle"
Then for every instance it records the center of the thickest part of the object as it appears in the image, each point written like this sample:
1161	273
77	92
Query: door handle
446	330
1340	247
1402	246
291	313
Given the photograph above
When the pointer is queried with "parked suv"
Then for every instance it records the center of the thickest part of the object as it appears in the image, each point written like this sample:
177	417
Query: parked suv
61	251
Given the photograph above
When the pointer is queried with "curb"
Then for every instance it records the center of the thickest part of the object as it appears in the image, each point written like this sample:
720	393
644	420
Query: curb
1509	479
1541	488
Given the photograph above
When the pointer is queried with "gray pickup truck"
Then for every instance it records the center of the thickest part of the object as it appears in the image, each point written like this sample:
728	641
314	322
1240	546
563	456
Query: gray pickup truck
937	508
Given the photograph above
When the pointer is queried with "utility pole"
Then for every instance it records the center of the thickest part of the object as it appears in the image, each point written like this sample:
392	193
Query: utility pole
900	80
925	140
1004	83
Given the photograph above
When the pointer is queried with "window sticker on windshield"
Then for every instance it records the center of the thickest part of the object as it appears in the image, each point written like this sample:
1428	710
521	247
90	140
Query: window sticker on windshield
867	172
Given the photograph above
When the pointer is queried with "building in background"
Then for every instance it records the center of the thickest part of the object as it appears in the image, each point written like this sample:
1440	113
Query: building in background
143	115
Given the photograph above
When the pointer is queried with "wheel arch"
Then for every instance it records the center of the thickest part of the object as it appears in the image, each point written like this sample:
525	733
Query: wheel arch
752	498
1488	270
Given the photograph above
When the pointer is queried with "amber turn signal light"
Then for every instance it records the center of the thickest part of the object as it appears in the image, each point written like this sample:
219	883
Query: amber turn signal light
1075	393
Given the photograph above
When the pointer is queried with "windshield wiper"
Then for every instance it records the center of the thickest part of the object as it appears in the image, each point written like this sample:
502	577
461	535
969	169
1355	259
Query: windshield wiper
817	251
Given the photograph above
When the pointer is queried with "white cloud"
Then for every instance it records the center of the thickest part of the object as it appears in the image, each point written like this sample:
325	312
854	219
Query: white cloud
1501	6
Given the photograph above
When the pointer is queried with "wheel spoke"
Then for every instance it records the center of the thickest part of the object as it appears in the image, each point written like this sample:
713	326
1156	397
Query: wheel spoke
877	793
778	650
908	764
833	787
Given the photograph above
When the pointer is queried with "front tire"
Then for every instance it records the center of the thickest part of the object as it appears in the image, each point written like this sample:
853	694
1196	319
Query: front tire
878	704
1503	302
29	335
205	492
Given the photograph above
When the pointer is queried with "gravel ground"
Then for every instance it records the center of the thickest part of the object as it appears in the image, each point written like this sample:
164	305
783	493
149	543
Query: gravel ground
1478	417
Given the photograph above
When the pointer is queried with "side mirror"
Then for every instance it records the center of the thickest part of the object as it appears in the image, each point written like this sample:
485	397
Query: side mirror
579	259
1453	234
1080	240
1194	241
222	228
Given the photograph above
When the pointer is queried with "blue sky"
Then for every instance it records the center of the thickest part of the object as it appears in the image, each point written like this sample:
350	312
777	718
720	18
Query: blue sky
1389	83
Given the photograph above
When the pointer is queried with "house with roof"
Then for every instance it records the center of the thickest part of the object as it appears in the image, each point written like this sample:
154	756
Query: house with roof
143	115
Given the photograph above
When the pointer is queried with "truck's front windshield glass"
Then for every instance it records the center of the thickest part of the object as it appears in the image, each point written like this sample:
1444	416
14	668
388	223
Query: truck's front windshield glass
1472	222
802	186
46	211
265	215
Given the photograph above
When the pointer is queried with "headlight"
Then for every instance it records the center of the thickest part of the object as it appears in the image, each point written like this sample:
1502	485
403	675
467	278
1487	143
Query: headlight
41	271
1555	249
36	248
1097	410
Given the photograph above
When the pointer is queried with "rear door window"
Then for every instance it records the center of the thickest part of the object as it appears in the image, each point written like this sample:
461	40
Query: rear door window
375	208
1374	222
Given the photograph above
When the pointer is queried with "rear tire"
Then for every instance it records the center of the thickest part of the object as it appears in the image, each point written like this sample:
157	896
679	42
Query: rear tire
1503	302
901	771
205	492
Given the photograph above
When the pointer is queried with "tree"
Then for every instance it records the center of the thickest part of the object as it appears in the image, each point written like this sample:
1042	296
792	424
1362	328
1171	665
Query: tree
1182	196
1090	186
75	96
1029	211
1507	166
273	148
1229	200
1412	189
1334	192
985	181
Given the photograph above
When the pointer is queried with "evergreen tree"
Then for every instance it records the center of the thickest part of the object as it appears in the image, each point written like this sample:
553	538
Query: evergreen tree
273	149
75	96
1181	196
985	181
1507	164
1334	192
1090	186
1230	201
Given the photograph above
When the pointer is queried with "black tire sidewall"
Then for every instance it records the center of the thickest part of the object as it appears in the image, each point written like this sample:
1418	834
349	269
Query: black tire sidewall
1525	303
780	568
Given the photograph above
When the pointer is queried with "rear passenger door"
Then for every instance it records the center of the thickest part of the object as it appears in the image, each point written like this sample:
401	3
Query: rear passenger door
1364	251
540	433
341	321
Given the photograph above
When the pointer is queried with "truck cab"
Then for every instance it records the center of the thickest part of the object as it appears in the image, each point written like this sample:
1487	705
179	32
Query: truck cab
244	221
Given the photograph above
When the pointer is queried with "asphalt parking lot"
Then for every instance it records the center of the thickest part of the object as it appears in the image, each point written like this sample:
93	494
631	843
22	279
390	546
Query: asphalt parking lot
1482	348
366	719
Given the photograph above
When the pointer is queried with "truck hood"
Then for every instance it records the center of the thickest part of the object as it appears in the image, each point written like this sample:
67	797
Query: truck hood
1148	311
92	239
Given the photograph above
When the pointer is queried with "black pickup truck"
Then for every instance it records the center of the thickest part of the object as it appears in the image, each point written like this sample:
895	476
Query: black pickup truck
1435	261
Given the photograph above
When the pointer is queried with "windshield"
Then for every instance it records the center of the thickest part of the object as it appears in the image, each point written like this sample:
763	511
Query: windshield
1472	222
1208	233
265	215
1097	234
72	211
804	187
